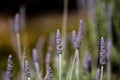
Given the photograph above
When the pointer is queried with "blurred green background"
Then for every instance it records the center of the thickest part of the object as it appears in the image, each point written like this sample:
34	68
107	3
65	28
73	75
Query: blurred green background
41	18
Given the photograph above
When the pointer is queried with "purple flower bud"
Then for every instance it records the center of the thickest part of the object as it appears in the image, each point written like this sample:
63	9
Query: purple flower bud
58	42
50	74
17	23
80	35
98	74
88	62
27	71
102	52
10	68
108	49
74	38
47	60
35	55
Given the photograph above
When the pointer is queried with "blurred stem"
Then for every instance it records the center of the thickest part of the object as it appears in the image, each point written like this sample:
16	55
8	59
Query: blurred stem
37	71
65	14
46	76
108	70
72	66
60	67
101	76
29	78
19	47
23	61
77	64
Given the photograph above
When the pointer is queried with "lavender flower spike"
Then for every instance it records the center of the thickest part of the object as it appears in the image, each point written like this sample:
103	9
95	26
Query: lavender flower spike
102	52
74	38
80	35
27	71
16	23
58	42
108	49
98	74
10	68
50	73
35	55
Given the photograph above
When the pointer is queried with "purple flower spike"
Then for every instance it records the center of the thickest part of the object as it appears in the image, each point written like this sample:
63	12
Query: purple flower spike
98	74
102	52
50	73
17	23
74	38
10	68
88	62
58	42
108	49
80	35
35	55
27	71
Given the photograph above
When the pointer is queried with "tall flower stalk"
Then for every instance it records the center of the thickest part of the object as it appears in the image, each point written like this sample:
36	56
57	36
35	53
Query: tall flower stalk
35	59
10	68
76	40
102	56
59	51
17	26
27	70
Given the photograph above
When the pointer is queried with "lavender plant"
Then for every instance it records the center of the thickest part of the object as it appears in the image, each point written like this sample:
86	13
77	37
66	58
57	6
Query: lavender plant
27	70
59	51
102	59
77	40
10	68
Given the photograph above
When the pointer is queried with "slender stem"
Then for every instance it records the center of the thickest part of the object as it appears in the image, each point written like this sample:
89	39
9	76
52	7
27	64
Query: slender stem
101	76
60	67
72	66
37	71
19	47
23	60
29	78
46	76
77	64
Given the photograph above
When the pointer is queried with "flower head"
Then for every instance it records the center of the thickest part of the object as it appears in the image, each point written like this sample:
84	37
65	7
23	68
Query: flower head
10	68
102	52
50	74
58	42
35	55
27	71
17	23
